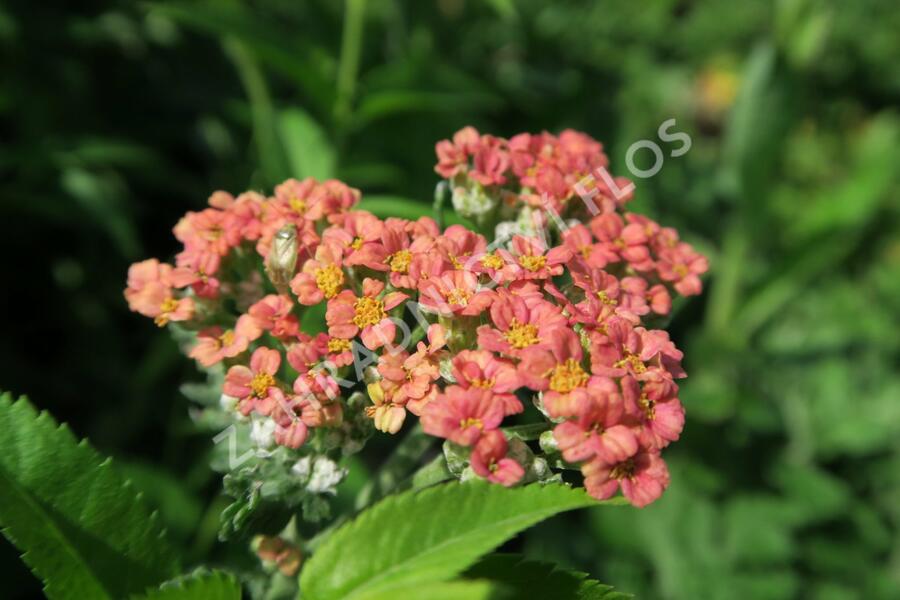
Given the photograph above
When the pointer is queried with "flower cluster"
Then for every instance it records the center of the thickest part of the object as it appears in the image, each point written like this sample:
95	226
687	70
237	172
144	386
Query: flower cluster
462	332
544	177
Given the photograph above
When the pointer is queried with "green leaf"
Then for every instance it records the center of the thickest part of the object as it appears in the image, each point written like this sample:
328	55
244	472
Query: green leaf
271	152
205	585
443	590
427	536
83	529
536	579
309	151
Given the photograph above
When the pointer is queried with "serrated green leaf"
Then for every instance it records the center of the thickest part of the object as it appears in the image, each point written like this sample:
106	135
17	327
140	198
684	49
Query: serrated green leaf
205	585
83	529
427	536
309	151
537	579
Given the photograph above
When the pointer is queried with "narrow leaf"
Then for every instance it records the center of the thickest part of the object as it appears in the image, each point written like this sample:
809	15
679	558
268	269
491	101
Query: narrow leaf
427	536
309	152
83	529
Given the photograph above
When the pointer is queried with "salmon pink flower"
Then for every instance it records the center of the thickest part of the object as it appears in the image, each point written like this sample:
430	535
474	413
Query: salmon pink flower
683	266
197	269
349	315
454	292
489	460
655	412
642	477
357	229
619	241
517	326
292	435
598	429
482	369
556	370
529	259
580	242
453	157
215	344
458	245
335	198
149	292
490	162
273	314
256	387
462	415
208	230
394	253
321	278
623	349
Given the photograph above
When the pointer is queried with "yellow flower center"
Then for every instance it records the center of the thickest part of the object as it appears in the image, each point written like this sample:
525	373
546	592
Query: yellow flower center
369	311
681	270
459	296
297	205
454	260
227	338
521	335
605	299
492	261
357	243
648	406
470	422
213	233
532	263
168	306
261	383
567	376
631	360
399	261
329	279
483	383
338	345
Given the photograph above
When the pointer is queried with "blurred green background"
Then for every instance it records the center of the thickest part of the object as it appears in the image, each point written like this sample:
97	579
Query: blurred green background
118	117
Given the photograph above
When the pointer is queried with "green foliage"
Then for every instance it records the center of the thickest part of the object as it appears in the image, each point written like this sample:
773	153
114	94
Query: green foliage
82	527
208	585
428	536
534	579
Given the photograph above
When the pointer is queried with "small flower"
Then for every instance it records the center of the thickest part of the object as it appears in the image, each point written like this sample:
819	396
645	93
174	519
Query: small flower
273	314
481	369
518	325
454	292
642	477
366	315
215	344
529	259
556	370
462	415
256	387
598	429
655	412
489	460
321	278
619	241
